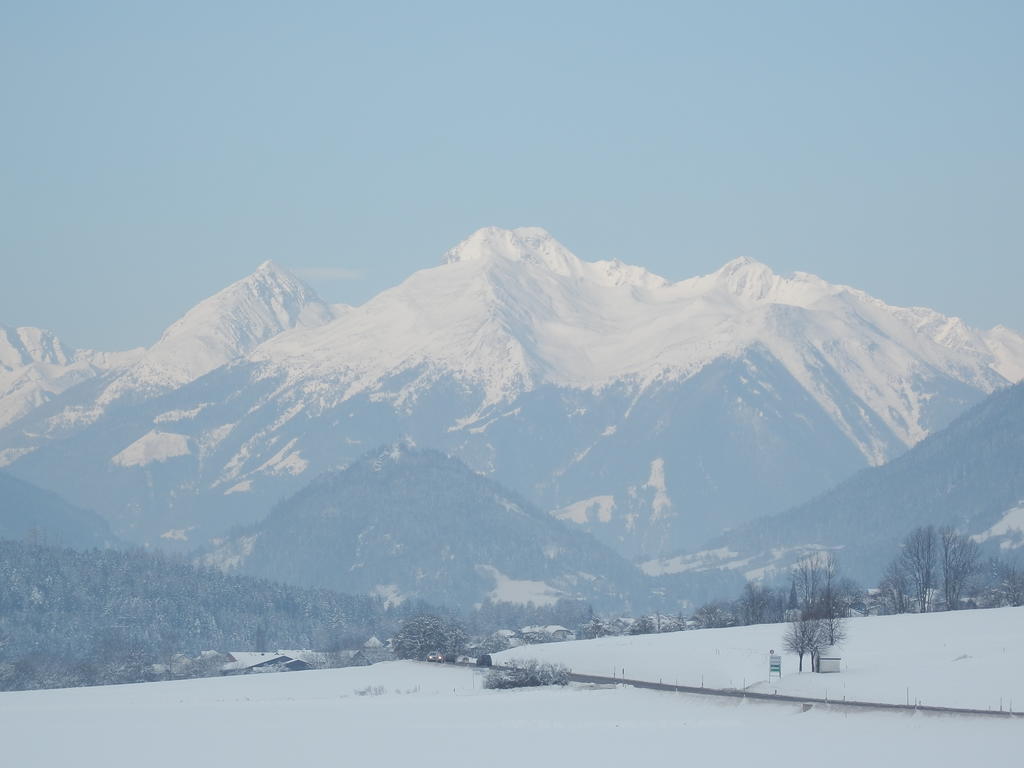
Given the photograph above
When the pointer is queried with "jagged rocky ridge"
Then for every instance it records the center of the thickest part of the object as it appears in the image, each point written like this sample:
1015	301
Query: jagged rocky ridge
35	367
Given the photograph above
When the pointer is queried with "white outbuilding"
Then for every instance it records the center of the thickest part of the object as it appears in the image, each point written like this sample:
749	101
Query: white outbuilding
829	659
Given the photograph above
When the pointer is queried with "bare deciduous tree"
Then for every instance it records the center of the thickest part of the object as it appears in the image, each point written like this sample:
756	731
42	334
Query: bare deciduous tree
919	560
960	555
832	607
895	589
1009	582
804	636
808	576
823	594
755	605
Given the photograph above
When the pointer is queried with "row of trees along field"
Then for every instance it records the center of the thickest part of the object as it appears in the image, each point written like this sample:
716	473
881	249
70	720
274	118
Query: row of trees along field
941	569
935	570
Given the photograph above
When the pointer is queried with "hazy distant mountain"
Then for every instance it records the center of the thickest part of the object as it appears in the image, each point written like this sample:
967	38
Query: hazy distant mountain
652	414
35	366
32	514
406	523
970	476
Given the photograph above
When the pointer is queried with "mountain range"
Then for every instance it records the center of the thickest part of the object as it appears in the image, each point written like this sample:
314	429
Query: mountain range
35	367
652	414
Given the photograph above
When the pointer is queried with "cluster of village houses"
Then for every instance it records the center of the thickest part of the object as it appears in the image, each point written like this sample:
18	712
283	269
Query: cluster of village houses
552	633
371	652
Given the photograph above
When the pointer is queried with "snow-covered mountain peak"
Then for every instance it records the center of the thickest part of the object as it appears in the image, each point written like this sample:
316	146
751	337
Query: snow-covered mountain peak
741	264
748	278
484	243
25	345
35	366
532	245
536	248
224	328
602	388
511	308
746	283
247	312
271	270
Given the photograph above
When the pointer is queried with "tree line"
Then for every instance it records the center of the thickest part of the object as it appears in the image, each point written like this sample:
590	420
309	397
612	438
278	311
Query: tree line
943	570
93	617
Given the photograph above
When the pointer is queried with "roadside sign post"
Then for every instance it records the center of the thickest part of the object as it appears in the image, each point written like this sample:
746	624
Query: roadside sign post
774	665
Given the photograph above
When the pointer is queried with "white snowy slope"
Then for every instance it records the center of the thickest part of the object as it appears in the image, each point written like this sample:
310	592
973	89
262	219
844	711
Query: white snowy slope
222	329
35	366
1007	347
409	713
511	309
153	446
1008	530
970	659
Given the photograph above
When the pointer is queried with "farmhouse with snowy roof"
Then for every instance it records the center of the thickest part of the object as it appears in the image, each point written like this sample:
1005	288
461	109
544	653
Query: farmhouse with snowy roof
546	634
244	662
374	650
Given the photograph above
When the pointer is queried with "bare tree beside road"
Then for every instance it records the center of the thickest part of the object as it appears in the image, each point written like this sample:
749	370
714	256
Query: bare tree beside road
804	636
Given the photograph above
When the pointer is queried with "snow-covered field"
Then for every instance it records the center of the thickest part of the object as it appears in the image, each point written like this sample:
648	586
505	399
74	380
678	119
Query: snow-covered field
969	659
410	713
406	713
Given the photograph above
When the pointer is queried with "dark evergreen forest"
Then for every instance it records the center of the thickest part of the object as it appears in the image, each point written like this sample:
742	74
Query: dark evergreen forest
83	617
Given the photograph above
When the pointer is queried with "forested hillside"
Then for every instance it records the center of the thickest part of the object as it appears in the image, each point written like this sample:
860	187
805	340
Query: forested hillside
409	523
77	618
969	476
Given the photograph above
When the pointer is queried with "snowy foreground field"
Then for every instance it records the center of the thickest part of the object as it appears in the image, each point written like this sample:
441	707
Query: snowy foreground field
414	714
972	659
411	713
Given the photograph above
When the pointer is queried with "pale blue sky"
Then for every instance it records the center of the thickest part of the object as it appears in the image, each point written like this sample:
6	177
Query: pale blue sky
154	152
